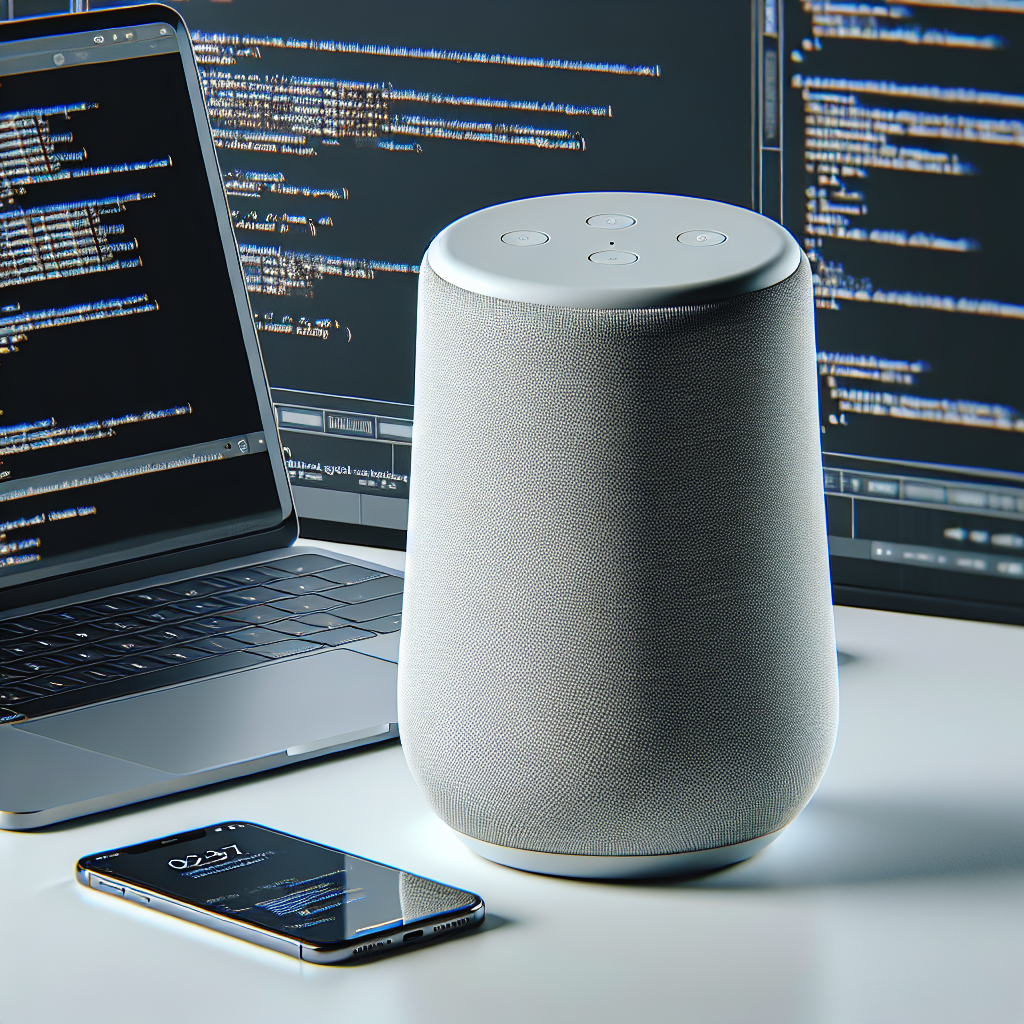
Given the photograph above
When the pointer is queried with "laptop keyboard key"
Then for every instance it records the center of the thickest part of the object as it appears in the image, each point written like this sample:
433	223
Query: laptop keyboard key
37	623
57	684
302	564
387	624
257	636
262	613
274	574
88	634
88	655
173	635
168	614
54	642
126	623
138	665
337	637
206	606
214	624
301	585
89	676
25	649
346	574
324	620
284	648
252	595
178	655
152	598
14	631
16	694
42	666
65	616
293	627
193	588
113	605
384	586
371	609
218	644
129	645
243	577
312	603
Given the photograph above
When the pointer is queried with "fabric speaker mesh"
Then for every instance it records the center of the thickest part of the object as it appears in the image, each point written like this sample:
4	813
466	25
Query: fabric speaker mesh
618	629
423	898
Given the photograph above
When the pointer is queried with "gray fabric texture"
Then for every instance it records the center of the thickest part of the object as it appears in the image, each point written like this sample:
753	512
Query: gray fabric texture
618	629
422	898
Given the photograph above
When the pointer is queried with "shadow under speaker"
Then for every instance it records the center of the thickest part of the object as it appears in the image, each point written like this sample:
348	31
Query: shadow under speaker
617	656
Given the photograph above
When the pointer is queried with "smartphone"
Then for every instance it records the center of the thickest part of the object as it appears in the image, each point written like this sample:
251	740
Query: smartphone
298	897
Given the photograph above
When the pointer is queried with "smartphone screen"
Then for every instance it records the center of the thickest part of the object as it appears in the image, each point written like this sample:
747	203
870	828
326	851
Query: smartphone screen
259	876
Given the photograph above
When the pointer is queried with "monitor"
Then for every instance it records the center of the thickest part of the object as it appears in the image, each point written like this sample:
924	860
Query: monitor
887	137
350	133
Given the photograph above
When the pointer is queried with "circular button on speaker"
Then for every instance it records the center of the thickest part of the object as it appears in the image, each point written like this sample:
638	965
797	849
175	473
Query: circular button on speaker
701	238
611	221
524	238
618	257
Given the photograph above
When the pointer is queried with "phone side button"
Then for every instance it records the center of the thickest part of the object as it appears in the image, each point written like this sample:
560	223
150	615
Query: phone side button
117	890
135	897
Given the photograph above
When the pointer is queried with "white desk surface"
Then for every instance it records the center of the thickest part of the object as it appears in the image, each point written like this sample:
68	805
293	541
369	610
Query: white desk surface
895	898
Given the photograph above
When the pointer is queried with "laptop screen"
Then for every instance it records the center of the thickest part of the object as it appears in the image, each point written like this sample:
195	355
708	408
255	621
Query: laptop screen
130	395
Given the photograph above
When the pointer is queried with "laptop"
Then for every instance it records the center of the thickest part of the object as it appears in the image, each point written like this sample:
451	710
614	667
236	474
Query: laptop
160	629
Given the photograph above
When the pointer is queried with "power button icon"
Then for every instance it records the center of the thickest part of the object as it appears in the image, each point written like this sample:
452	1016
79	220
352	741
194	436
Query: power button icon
701	238
611	221
524	238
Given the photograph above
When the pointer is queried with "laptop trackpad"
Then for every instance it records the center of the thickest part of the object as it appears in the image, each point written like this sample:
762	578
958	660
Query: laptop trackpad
236	717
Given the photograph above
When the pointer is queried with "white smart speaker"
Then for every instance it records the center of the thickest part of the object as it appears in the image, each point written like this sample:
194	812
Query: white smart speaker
617	655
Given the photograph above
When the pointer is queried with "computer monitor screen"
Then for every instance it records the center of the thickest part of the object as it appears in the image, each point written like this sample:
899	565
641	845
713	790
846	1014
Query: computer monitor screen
350	133
888	137
900	130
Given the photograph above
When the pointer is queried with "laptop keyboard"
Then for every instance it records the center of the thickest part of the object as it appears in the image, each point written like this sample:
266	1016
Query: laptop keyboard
218	622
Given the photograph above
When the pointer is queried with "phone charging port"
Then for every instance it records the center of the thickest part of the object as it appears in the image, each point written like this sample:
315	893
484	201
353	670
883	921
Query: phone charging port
409	936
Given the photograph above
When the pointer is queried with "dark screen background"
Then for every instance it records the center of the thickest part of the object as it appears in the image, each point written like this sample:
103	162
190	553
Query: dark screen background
685	131
969	356
189	352
963	356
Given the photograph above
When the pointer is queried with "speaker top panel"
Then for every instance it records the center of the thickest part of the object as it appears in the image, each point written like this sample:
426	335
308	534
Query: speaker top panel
613	250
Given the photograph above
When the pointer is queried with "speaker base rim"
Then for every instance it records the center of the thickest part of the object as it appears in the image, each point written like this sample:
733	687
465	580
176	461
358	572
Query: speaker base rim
625	866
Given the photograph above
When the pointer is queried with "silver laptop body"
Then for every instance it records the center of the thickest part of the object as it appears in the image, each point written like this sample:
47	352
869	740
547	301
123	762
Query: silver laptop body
195	732
159	628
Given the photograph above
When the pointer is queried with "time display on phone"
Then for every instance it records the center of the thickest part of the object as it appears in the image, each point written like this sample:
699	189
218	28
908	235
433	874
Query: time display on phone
198	860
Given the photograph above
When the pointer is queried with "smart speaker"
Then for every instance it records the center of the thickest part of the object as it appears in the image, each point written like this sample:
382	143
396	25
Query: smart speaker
617	655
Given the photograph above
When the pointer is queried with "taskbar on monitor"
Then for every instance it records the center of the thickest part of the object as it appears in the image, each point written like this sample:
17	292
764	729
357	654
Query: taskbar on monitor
348	462
931	539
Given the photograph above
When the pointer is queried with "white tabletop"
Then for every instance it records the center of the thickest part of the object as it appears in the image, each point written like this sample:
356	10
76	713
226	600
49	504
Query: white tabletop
895	898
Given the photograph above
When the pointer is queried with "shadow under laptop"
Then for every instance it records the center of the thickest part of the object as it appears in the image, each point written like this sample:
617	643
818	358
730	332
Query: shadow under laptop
836	843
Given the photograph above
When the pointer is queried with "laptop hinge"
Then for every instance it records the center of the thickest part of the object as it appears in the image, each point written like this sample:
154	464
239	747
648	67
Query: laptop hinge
71	584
